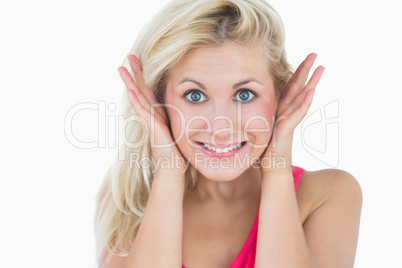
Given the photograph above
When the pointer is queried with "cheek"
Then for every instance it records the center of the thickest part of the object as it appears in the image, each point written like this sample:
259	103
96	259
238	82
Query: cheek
181	118
176	120
259	121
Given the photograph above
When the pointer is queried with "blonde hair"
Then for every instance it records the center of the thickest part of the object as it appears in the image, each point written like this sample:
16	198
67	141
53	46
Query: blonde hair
180	26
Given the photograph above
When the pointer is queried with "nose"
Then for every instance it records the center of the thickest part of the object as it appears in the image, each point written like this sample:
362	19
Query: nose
222	128
224	122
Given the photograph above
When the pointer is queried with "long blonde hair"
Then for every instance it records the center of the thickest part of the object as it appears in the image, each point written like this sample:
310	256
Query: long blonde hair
180	26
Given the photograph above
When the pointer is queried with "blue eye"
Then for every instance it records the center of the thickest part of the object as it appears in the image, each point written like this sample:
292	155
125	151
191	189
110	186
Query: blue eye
245	96
195	96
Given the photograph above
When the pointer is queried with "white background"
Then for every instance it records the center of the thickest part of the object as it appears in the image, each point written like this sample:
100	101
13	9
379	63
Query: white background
57	54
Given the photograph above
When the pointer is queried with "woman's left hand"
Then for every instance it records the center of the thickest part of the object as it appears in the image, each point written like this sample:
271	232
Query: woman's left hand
292	108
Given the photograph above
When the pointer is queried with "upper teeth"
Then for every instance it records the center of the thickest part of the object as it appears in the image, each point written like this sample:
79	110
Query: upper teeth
222	150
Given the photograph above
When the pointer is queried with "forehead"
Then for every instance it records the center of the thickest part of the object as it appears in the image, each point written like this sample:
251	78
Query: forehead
227	60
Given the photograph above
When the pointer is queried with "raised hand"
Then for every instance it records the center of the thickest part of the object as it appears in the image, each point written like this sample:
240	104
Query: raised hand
146	106
292	108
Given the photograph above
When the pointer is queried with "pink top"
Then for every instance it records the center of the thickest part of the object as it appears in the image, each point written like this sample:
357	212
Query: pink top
246	256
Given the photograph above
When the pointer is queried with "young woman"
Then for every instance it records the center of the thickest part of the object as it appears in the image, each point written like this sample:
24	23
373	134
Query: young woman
204	174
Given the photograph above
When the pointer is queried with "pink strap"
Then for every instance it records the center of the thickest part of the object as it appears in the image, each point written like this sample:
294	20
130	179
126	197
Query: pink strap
297	174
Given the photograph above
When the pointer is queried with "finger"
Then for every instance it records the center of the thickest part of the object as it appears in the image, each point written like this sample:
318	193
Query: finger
129	82
142	88
299	78
137	106
312	84
139	78
315	78
157	129
297	116
127	78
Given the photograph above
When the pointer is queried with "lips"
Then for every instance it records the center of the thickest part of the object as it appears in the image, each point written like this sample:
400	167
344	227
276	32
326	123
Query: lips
220	150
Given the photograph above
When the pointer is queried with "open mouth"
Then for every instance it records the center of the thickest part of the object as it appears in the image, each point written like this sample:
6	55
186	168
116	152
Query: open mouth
223	150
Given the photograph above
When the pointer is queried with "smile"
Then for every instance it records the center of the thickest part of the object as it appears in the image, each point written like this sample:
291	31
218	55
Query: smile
221	152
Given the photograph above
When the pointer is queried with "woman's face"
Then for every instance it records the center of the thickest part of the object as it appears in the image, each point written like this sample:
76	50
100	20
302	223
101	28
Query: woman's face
221	97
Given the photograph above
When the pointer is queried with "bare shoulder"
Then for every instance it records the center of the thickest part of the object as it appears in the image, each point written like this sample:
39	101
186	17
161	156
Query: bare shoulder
332	199
318	187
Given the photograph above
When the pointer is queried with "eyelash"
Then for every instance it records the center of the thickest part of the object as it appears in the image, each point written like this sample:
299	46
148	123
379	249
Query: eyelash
240	90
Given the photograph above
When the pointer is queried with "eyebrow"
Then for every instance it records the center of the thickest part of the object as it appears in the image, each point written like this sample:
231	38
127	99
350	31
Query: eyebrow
239	84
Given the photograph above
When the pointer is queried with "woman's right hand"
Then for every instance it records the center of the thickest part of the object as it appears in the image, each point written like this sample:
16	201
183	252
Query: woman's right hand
144	102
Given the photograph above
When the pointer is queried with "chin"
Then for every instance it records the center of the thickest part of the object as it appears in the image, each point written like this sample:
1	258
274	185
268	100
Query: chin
219	176
223	173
